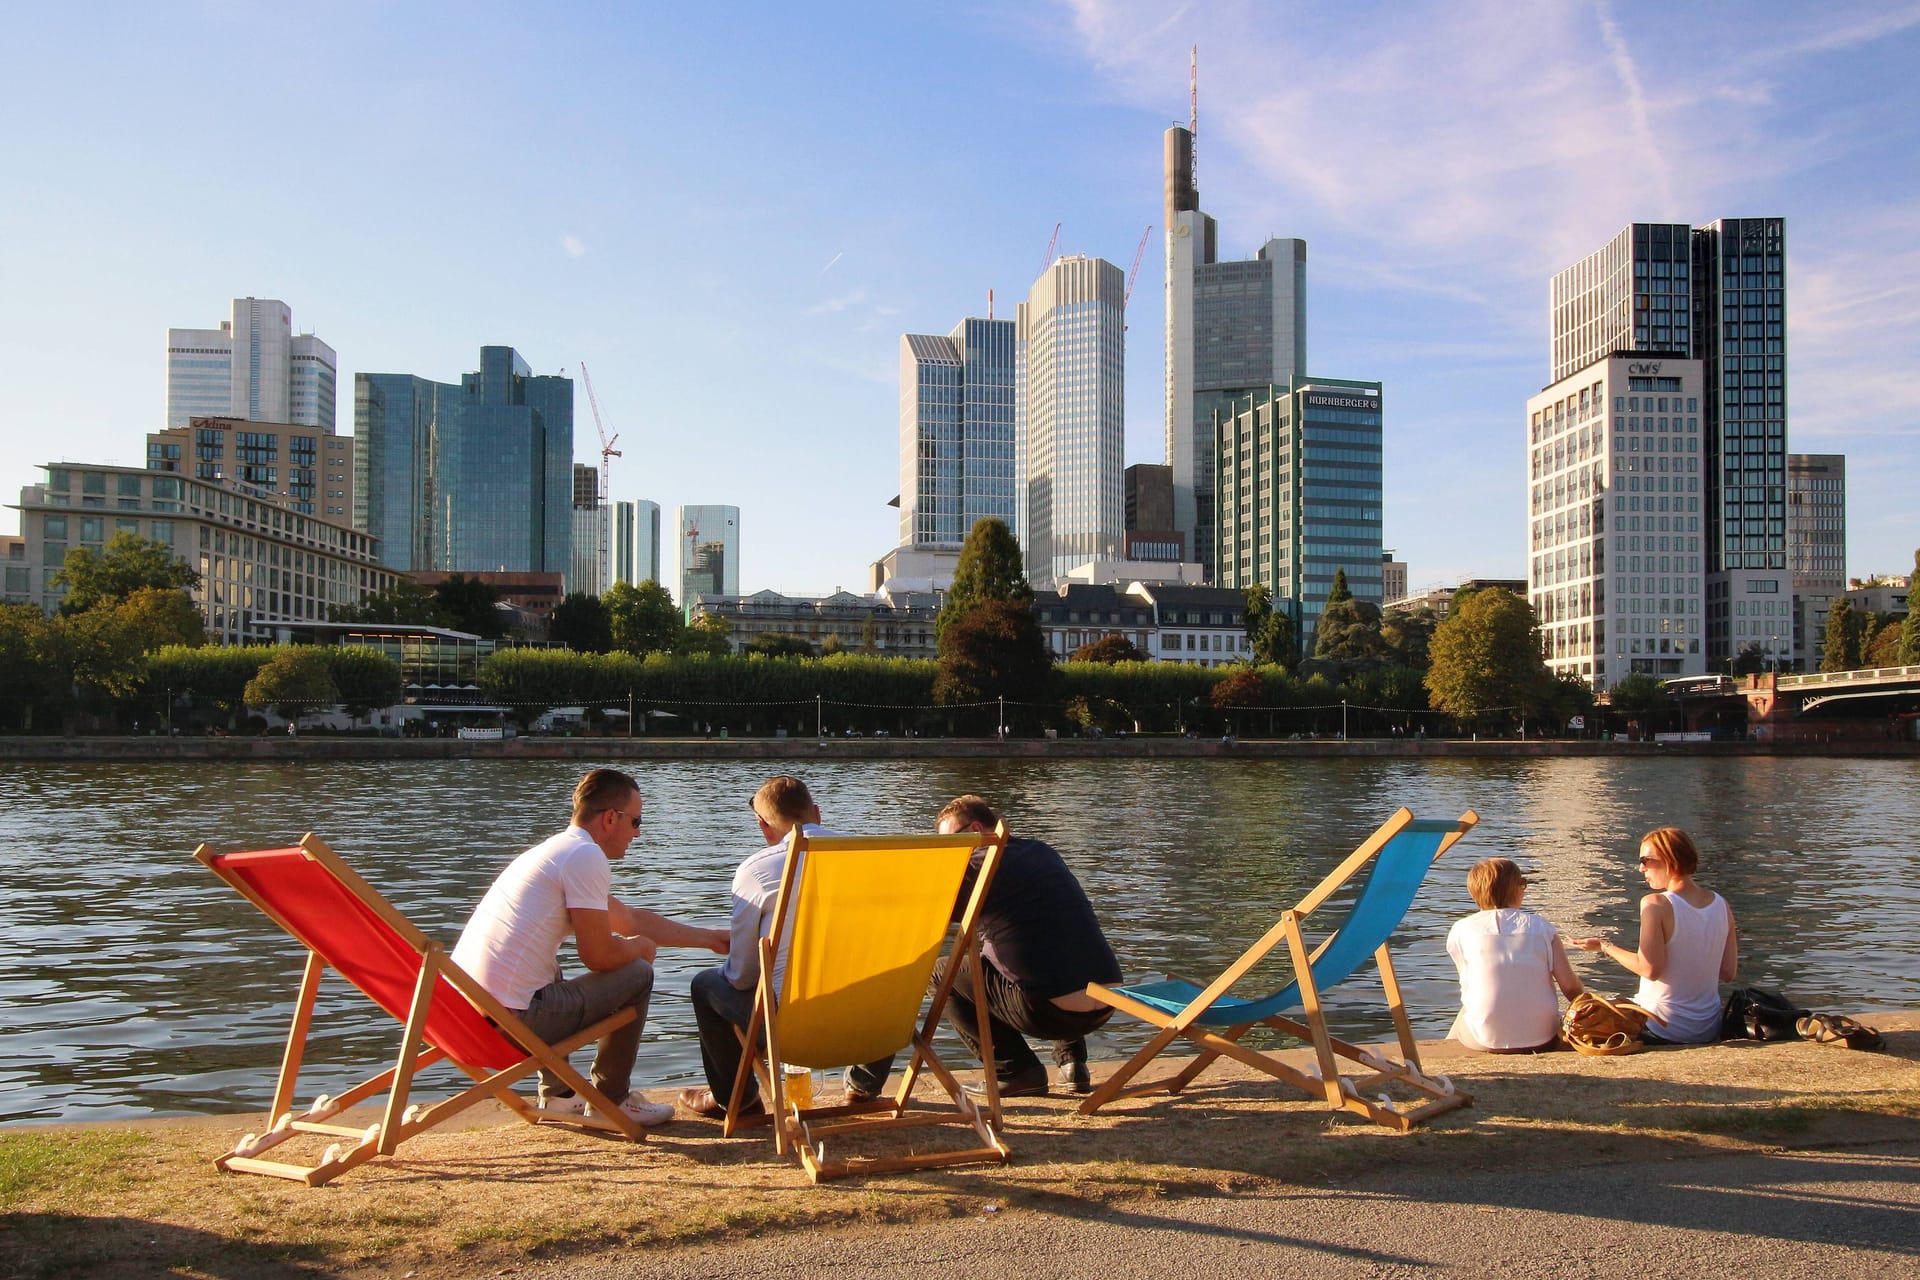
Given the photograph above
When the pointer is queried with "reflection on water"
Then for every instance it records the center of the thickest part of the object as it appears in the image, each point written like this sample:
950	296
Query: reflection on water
136	983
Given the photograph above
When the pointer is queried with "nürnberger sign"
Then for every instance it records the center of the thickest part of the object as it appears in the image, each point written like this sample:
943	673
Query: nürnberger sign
1343	402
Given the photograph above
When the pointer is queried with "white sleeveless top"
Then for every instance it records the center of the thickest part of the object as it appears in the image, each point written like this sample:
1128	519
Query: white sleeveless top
1686	1003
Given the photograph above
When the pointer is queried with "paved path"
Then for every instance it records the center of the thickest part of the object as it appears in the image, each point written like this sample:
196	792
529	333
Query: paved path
1825	1214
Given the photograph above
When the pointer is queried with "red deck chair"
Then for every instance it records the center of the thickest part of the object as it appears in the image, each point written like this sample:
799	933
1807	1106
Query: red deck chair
347	926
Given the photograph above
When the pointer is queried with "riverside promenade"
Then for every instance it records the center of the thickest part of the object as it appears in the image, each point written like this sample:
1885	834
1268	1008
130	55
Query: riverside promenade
1736	1159
1141	747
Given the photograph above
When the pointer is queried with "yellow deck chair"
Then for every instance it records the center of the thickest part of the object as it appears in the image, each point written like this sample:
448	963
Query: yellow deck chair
862	919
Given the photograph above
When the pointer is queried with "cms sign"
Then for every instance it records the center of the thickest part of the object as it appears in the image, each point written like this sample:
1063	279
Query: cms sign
1644	367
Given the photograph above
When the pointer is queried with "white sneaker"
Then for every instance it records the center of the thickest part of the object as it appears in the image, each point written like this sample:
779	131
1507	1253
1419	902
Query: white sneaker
636	1108
571	1104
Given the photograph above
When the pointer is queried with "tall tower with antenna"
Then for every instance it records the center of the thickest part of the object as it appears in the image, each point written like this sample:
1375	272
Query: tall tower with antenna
1234	328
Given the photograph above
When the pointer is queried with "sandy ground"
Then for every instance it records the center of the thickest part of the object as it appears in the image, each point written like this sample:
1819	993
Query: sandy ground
1785	1158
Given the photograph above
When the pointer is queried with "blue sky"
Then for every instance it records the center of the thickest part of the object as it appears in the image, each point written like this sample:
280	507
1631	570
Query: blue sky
731	212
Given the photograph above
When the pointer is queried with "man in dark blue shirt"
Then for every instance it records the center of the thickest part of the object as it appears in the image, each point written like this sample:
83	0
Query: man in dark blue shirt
1040	947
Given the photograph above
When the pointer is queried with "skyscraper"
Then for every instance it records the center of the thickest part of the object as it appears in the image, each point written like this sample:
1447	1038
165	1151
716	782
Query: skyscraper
1672	294
709	553
636	542
1740	337
253	366
956	432
1299	483
1071	337
468	478
1234	329
1816	545
587	570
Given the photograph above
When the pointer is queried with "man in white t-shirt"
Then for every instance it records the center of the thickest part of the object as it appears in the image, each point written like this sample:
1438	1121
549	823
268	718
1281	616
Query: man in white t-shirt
560	888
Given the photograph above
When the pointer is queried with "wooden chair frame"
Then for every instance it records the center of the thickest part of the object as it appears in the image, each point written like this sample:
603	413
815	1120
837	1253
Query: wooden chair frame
805	1130
400	1121
1358	1094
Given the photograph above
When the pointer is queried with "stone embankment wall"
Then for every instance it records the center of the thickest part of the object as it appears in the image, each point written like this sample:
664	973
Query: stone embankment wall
1142	748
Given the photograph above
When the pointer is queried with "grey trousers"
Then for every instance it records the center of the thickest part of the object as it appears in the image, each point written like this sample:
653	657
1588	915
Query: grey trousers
566	1006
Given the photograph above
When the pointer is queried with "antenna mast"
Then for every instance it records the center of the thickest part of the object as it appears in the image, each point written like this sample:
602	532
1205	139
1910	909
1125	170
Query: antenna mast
1193	107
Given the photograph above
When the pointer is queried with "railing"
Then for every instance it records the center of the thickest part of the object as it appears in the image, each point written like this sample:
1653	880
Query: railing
1867	675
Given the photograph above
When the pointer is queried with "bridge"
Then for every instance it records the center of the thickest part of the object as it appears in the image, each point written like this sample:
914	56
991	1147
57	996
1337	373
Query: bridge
1829	704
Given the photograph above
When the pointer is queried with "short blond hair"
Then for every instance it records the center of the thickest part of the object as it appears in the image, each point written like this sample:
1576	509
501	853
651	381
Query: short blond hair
1495	882
783	800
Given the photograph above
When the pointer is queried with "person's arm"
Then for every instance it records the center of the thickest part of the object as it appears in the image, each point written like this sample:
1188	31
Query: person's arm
1650	959
600	948
664	931
1563	974
1730	958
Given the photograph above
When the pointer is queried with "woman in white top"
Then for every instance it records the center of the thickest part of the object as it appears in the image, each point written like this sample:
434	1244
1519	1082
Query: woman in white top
1509	962
1688	943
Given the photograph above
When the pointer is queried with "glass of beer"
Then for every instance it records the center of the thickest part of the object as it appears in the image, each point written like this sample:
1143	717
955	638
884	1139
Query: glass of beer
799	1085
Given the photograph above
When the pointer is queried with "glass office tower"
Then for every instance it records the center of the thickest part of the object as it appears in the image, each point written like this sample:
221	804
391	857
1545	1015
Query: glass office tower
469	478
956	432
1072	333
1299	480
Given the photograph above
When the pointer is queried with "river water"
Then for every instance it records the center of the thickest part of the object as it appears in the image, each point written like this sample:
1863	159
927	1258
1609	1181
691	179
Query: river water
134	983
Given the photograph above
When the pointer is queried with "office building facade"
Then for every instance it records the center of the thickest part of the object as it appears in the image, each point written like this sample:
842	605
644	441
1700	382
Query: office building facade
592	534
253	366
709	538
1740	337
466	478
1616	458
260	564
957	424
636	542
1233	329
307	469
1298	491
1715	294
1816	546
1071	342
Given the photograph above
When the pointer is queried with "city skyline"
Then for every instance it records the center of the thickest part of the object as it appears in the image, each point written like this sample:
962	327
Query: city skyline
1435	221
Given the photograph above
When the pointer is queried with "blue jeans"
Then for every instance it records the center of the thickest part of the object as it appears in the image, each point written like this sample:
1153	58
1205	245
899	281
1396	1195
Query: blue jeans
566	1006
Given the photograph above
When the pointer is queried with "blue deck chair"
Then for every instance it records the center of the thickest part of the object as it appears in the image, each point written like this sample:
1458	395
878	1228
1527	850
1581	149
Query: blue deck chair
1399	853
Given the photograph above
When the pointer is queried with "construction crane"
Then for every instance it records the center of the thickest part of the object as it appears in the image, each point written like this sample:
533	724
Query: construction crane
604	517
1053	242
1134	274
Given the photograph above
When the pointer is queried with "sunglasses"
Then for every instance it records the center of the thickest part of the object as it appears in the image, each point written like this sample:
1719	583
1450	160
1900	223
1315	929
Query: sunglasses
634	818
1649	862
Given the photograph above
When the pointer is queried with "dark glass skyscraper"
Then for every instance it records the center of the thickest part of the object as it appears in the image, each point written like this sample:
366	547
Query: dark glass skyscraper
466	478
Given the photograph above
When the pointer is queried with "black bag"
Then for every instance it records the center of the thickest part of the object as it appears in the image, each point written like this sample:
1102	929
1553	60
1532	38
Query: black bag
1756	1013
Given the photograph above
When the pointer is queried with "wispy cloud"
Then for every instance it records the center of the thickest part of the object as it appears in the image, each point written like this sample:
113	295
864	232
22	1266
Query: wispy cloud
836	305
573	246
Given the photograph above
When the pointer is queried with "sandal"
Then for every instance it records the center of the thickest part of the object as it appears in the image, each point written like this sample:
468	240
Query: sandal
1839	1029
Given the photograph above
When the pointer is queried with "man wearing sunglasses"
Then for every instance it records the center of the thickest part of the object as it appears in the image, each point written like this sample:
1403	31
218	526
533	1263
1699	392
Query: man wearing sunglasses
563	887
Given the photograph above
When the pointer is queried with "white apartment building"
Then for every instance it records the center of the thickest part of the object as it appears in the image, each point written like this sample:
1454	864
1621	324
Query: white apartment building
1615	553
261	564
253	366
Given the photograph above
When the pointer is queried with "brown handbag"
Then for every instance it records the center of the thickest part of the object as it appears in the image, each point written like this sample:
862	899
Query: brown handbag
1599	1027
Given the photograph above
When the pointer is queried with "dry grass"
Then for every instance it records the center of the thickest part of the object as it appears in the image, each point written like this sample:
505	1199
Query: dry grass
144	1199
